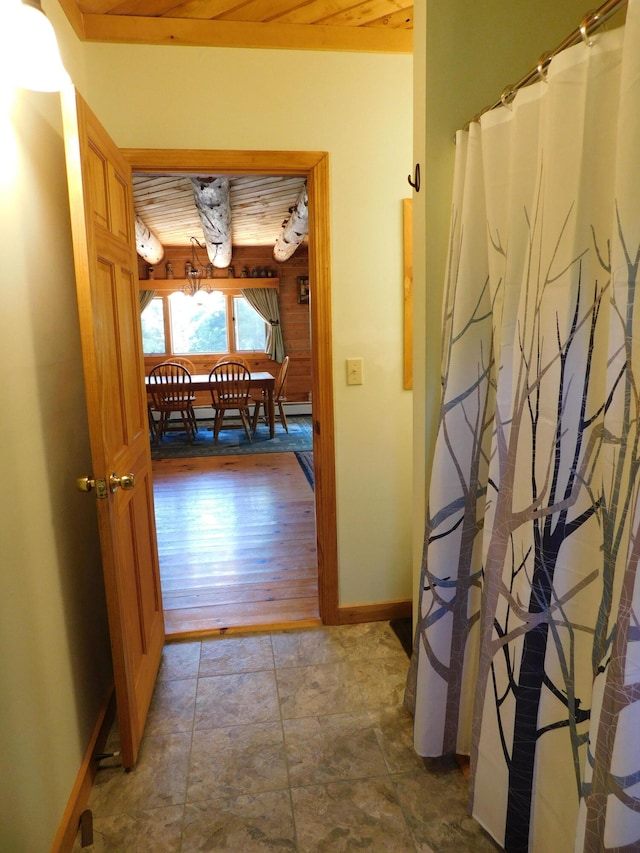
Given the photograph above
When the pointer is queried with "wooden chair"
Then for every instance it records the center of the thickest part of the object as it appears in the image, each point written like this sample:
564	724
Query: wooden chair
166	398
153	426
236	359
185	362
178	359
279	398
230	391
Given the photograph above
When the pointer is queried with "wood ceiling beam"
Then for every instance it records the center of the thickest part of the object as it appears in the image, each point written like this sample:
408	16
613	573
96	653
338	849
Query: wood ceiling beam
164	31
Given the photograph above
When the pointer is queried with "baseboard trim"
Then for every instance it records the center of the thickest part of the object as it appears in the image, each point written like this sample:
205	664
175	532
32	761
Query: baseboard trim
290	409
381	612
69	825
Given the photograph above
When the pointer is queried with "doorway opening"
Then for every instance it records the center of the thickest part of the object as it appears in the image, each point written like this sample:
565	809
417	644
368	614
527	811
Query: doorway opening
313	166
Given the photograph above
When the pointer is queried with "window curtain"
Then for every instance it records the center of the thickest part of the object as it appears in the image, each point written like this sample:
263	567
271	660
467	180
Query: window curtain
265	301
146	297
527	648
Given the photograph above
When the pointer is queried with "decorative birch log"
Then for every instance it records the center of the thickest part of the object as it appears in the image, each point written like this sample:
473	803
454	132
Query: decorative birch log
211	196
294	229
148	246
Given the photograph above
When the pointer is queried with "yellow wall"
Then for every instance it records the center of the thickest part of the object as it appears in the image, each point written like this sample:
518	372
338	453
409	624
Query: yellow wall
54	655
55	665
358	107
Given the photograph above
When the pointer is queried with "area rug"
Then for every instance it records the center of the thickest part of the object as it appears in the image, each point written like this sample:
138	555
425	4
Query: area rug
305	458
232	440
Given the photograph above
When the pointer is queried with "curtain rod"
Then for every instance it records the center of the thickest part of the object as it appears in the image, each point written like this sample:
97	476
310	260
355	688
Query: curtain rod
589	24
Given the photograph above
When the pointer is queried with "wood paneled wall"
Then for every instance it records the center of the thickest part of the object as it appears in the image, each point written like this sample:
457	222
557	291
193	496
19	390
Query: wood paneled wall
294	316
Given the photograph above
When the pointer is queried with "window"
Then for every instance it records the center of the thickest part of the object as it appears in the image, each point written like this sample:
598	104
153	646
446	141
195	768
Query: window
217	323
153	337
198	323
248	326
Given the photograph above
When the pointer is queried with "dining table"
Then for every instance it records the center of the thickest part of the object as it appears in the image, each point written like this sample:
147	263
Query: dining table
261	379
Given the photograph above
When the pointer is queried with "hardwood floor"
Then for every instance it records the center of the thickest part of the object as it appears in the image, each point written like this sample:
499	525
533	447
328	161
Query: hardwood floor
236	542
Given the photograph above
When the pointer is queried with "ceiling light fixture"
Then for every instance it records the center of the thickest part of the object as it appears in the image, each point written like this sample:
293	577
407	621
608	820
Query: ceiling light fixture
195	271
37	61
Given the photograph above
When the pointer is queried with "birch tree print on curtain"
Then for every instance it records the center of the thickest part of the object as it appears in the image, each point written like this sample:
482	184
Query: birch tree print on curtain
453	569
527	632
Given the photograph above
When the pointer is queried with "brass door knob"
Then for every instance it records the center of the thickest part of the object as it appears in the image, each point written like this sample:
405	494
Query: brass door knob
93	484
126	482
85	484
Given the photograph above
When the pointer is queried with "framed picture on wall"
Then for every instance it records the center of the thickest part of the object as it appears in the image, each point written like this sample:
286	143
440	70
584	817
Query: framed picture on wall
303	289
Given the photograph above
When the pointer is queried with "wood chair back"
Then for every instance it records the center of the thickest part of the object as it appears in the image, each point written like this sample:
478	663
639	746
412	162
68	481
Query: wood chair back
232	383
279	389
170	390
185	362
235	359
230	390
170	373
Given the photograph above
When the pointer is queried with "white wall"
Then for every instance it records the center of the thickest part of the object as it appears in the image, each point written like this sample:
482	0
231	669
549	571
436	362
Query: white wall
358	107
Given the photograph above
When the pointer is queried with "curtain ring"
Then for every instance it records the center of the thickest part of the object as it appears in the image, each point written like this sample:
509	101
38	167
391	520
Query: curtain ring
507	96
584	28
543	65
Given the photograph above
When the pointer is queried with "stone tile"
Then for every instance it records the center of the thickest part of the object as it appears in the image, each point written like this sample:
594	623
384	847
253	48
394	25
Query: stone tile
172	707
382	681
310	717
435	806
228	700
370	640
226	655
237	760
333	747
307	691
346	816
179	660
159	778
307	647
393	727
159	830
246	824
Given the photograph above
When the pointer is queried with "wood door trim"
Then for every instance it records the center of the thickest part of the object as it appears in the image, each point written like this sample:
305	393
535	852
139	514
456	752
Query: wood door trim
315	166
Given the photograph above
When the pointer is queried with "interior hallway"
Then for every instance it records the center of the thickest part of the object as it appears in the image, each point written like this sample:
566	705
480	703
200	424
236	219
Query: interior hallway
285	740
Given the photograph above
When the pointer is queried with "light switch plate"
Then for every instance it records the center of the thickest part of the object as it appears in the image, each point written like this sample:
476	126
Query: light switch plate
354	371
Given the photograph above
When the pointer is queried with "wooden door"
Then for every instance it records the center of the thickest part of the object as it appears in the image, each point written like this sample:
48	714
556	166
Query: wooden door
102	221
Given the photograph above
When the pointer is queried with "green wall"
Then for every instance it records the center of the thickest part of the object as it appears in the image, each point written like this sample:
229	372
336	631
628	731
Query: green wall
473	51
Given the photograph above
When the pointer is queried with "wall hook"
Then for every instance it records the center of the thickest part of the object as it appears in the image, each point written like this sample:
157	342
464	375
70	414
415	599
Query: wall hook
415	183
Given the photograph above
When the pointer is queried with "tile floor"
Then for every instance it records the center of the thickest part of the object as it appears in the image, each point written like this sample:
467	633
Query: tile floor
285	740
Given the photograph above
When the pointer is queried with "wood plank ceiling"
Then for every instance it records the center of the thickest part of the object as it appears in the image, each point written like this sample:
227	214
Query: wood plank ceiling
368	25
259	204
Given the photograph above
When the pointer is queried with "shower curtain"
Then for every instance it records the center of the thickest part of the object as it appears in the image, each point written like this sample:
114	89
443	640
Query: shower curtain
527	653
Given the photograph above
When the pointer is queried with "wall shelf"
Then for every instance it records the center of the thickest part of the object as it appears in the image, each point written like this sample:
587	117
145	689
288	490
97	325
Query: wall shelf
219	283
